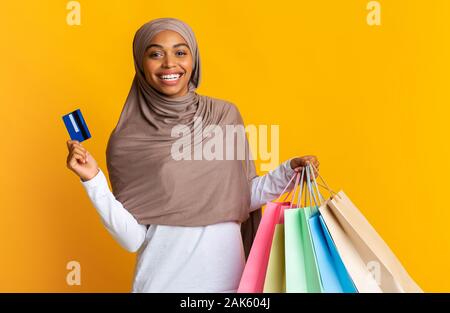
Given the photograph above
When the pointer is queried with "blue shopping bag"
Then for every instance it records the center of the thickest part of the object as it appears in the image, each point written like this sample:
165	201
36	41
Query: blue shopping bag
333	274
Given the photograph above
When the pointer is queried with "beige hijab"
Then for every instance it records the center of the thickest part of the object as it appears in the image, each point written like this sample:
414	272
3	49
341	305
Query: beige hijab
145	177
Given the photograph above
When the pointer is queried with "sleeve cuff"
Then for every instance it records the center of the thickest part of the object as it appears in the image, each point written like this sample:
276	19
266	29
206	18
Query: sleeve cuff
287	167
98	179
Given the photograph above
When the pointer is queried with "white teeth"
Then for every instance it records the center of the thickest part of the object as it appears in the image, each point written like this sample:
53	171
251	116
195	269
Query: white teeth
170	77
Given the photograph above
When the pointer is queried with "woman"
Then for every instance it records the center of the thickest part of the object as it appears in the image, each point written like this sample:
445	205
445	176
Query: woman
191	221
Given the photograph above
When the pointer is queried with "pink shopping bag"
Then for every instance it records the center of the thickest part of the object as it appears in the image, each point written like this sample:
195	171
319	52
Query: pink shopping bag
253	276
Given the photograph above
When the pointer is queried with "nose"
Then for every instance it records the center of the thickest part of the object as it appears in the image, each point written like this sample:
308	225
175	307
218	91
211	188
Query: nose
168	61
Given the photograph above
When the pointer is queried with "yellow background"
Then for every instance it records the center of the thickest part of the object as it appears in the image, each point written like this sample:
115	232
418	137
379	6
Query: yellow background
372	102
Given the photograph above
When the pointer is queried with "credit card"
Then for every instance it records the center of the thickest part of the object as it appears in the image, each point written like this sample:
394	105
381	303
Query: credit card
76	126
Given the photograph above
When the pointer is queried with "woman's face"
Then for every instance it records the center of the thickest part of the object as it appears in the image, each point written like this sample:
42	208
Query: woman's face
168	54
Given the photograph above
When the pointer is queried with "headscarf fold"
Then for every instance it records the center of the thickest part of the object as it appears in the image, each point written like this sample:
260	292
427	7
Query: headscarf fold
157	188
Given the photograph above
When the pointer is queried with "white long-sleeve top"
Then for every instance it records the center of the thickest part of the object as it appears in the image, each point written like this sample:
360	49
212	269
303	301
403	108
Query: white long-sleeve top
178	258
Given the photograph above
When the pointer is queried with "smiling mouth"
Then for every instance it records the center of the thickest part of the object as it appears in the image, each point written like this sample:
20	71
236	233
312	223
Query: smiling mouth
171	77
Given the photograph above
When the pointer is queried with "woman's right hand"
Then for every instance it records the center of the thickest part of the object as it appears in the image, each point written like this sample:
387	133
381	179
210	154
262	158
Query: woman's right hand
80	161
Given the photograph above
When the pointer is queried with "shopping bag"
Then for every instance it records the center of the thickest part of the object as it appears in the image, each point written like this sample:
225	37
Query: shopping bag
253	276
333	274
348	250
275	280
299	272
371	264
302	274
389	273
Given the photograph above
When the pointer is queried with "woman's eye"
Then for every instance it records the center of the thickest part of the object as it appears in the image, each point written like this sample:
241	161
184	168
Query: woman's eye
154	54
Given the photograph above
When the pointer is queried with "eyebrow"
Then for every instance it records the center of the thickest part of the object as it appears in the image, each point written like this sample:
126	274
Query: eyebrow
159	46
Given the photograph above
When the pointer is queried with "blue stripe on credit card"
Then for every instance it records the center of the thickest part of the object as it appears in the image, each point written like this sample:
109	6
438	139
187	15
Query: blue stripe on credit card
76	126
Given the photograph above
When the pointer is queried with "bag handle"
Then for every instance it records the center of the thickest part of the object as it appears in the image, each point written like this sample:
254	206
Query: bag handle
287	185
312	195
297	175
314	187
326	186
299	198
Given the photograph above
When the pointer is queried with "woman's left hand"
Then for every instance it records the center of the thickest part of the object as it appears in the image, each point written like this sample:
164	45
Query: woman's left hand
297	164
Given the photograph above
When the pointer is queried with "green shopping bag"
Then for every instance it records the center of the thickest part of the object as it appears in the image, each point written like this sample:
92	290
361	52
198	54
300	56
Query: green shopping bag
302	273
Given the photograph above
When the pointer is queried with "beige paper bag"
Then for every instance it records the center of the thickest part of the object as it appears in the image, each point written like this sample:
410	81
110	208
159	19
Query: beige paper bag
389	273
353	262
